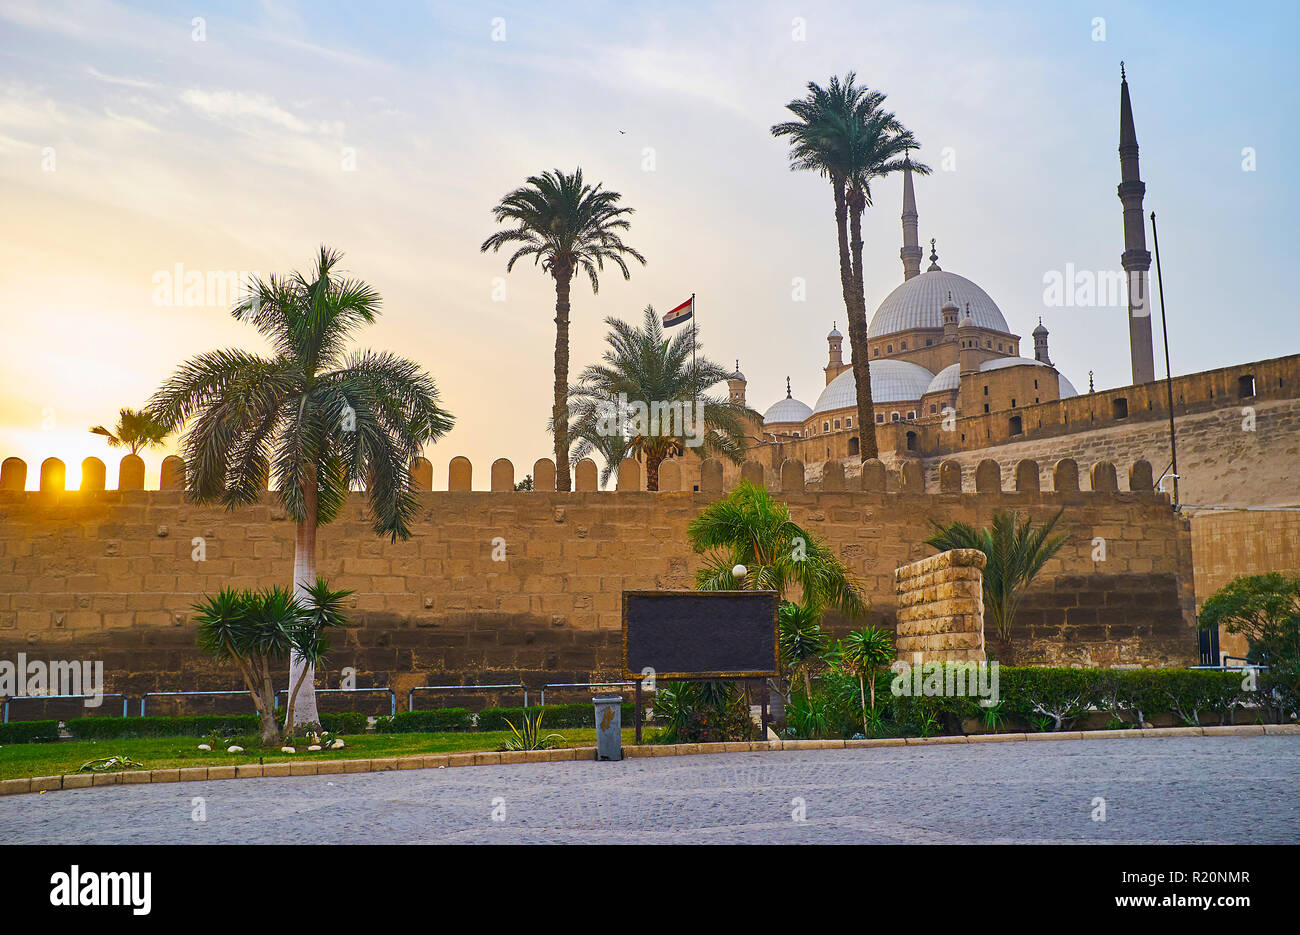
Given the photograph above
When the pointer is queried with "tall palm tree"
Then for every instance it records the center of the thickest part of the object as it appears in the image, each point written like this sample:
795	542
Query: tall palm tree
135	429
566	226
749	527
842	133
313	417
1015	552
641	365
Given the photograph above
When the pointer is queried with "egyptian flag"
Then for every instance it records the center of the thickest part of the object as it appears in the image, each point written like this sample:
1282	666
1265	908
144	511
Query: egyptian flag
682	313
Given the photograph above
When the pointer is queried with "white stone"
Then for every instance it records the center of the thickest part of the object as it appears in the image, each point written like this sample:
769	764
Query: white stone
288	750
204	746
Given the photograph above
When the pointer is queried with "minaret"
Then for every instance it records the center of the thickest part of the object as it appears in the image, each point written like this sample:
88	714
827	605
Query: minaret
911	251
835	357
736	386
1136	259
1040	344
949	313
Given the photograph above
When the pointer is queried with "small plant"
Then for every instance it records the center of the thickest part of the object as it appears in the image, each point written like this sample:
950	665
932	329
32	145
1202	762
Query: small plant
108	764
993	717
864	653
529	735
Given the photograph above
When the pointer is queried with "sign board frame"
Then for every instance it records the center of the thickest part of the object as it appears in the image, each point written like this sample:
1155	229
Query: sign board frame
704	674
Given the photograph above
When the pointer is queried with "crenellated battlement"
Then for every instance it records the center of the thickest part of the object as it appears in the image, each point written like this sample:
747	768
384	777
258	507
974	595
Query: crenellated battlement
1064	477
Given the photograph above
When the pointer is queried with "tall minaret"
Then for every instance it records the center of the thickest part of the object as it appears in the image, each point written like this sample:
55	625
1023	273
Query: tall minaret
1136	259
911	251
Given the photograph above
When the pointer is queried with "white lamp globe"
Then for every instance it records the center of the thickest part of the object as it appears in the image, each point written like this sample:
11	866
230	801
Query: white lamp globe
739	571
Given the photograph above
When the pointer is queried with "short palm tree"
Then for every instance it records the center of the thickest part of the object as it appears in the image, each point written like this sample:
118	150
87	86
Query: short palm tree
1015	552
864	653
749	527
258	629
135	429
800	640
842	133
643	366
566	226
313	417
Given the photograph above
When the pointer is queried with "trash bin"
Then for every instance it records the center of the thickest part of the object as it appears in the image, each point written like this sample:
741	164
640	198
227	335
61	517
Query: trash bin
609	726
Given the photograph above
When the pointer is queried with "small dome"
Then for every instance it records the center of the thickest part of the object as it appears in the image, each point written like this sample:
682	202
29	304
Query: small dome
786	410
1067	388
892	381
918	301
1001	363
1040	330
966	322
947	379
835	332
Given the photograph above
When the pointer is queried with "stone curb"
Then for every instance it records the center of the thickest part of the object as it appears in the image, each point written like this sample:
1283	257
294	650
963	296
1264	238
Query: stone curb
565	754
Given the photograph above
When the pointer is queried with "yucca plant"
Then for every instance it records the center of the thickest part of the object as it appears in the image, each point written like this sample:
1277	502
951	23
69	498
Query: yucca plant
258	629
528	736
864	653
800	640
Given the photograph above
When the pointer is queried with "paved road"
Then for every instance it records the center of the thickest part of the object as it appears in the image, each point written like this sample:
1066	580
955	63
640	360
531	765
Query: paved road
1219	789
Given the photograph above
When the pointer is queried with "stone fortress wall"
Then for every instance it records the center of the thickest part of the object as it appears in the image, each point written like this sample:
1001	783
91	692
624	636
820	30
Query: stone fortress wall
111	574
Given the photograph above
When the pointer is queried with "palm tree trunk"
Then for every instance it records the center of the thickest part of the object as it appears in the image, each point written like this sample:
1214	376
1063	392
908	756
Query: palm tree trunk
304	575
560	411
807	683
652	463
858	332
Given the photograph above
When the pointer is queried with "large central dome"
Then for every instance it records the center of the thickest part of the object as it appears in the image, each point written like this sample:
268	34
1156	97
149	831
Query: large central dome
917	303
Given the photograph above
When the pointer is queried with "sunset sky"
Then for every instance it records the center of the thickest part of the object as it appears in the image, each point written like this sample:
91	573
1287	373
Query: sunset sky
128	148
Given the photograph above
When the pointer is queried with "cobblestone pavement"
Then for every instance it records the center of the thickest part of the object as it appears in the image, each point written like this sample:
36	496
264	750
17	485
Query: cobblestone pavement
1219	789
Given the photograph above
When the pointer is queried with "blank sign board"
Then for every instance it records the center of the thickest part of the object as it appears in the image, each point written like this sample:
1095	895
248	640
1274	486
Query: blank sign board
700	634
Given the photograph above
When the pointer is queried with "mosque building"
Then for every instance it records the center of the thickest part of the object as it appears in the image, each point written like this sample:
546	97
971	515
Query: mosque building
941	349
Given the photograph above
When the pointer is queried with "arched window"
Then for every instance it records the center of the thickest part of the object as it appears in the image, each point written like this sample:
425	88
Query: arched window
1017	427
911	441
854	447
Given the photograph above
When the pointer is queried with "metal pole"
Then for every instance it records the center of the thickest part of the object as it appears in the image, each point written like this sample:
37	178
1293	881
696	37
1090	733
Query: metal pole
636	715
1169	379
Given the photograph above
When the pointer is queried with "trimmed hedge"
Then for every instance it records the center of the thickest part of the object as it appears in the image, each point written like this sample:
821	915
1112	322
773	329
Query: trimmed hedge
433	720
113	728
29	732
1048	698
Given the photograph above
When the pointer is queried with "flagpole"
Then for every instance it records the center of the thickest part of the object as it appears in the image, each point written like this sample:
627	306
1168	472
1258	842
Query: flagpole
695	368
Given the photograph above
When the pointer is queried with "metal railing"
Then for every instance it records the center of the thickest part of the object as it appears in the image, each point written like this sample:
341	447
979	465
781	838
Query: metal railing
47	697
410	696
147	695
392	696
583	685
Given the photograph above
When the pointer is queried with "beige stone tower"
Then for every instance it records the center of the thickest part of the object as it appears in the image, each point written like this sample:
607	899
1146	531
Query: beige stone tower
736	386
1136	259
835	364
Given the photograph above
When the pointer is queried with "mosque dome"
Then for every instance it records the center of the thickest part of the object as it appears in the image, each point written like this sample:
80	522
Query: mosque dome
1067	388
892	381
917	303
787	410
947	379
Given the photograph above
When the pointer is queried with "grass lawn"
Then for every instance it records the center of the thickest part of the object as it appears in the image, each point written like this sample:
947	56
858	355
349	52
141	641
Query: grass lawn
22	760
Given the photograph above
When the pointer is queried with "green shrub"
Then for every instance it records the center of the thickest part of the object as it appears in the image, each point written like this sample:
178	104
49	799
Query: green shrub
112	728
29	732
345	722
426	721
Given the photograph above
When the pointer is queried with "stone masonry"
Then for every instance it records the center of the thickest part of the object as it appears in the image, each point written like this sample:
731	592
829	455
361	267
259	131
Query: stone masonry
941	608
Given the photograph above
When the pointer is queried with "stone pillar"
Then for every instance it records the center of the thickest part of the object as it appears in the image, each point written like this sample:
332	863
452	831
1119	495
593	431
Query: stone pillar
941	608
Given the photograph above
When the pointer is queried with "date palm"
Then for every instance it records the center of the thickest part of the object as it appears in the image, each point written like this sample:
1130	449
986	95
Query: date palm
642	365
313	417
135	429
842	133
749	527
1015	552
566	226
